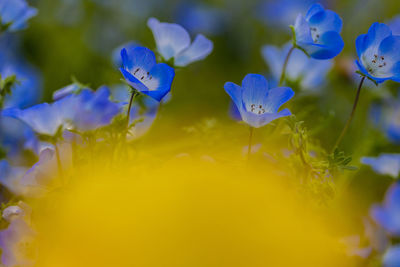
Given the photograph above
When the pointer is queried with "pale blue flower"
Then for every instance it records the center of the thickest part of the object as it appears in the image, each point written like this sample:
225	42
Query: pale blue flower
173	42
386	164
388	214
258	104
318	33
85	111
15	13
310	72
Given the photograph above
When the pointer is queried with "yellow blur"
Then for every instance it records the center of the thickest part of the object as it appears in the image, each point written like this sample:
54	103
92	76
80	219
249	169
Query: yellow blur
190	211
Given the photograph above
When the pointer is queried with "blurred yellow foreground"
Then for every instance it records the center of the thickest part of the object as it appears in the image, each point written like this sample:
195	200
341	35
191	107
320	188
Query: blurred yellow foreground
188	211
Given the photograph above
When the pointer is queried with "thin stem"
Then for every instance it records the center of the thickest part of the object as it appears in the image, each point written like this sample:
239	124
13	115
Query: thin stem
282	79
250	141
60	170
351	115
133	94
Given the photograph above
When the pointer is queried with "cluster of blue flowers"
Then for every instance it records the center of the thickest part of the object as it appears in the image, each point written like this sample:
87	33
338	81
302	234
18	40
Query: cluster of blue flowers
48	131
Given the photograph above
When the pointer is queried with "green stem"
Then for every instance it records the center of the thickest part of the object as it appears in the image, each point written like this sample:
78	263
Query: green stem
133	94
250	141
351	115
282	79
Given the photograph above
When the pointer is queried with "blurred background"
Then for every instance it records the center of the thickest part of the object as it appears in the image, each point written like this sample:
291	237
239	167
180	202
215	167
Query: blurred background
82	39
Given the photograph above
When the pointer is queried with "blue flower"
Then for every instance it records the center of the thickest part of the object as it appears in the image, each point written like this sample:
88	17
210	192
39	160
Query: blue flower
386	164
15	13
46	119
385	116
388	215
16	241
318	33
16	137
378	54
29	89
142	72
83	112
310	72
93	109
258	104
392	257
173	42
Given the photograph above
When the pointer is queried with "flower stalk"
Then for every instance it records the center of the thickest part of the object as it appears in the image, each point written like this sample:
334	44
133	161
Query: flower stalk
349	120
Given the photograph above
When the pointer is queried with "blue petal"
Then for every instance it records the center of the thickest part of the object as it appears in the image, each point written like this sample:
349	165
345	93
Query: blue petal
116	54
370	44
259	120
235	92
135	83
389	48
302	30
93	109
392	201
42	118
385	219
387	164
171	39
139	57
165	75
198	50
16	12
392	257
329	46
277	97
314	9
324	20
255	90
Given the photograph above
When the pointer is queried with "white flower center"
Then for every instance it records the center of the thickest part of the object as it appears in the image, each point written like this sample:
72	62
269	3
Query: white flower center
315	34
257	109
146	78
376	65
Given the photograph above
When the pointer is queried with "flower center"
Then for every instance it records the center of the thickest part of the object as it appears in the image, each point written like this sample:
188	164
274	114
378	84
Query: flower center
257	109
142	75
376	63
145	77
315	34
